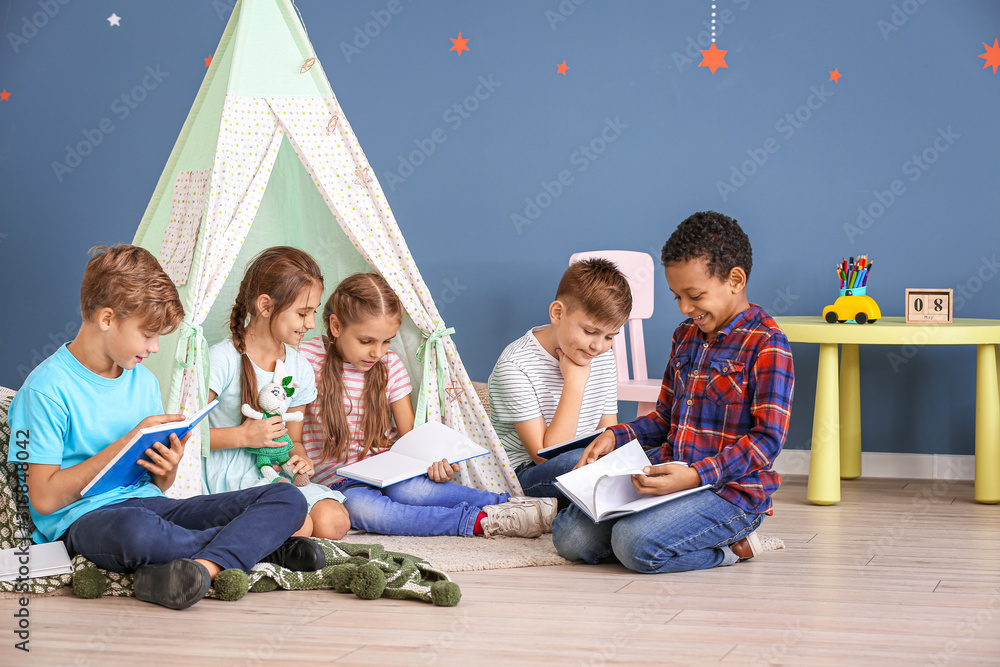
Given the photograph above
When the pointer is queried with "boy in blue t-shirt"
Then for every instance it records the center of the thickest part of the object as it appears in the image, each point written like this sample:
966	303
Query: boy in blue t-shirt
80	407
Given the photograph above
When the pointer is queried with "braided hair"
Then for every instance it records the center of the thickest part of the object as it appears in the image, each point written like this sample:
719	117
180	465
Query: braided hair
281	273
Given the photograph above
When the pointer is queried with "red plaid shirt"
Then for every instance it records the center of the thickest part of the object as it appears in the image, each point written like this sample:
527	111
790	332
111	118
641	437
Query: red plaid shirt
724	407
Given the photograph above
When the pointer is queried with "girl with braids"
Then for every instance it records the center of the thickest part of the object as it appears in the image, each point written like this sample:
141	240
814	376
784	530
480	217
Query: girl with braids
274	309
364	404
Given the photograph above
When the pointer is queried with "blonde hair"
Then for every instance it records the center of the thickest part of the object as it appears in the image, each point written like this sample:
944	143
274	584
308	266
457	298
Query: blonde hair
131	282
598	288
357	298
281	273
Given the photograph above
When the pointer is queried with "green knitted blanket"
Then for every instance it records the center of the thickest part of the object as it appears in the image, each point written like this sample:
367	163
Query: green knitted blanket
367	570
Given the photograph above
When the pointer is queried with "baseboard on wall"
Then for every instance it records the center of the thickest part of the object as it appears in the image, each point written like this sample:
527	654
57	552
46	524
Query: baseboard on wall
882	464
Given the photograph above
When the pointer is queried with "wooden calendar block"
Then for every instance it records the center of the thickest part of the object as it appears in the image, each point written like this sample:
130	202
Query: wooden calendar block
928	306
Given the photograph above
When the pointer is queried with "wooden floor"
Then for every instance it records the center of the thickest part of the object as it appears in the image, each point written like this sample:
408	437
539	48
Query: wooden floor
898	573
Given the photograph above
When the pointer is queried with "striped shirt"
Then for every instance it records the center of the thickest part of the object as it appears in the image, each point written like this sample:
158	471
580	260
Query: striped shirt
313	438
526	383
724	407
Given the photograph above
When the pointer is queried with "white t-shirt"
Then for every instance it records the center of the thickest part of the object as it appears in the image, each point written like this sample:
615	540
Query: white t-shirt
397	387
235	469
526	383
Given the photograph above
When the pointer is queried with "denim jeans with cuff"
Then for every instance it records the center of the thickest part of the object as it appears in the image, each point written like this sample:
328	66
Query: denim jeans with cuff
691	533
417	506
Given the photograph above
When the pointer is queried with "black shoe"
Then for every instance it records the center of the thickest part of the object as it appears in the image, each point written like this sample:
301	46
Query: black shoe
299	554
177	584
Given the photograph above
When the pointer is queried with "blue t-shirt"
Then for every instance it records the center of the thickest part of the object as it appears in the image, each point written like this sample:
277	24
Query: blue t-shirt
65	414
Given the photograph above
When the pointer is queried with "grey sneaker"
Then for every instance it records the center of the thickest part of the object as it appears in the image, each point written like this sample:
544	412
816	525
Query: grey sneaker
547	508
512	520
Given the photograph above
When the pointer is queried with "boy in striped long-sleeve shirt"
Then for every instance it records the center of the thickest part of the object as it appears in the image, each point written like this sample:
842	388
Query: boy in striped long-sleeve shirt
723	410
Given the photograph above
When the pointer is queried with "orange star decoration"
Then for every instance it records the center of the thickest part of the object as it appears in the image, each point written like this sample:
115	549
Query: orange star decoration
835	75
992	55
361	176
208	61
562	68
459	45
714	58
4	95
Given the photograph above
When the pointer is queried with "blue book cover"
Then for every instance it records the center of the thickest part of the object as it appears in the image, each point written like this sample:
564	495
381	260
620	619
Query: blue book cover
578	442
124	470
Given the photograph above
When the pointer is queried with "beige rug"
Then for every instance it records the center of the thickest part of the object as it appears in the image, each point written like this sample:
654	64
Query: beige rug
463	554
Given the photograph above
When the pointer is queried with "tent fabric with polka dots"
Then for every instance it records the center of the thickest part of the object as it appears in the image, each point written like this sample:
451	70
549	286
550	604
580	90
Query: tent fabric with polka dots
267	157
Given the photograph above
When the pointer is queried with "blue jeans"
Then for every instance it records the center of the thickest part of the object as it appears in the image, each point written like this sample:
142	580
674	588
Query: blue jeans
416	506
232	530
691	533
538	479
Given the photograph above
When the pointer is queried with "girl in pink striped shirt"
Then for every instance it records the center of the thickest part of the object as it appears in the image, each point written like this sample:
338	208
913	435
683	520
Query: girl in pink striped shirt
364	405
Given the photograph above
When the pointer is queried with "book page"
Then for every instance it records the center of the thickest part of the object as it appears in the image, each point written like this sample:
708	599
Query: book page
384	469
44	560
615	490
582	482
614	487
432	442
644	502
176	427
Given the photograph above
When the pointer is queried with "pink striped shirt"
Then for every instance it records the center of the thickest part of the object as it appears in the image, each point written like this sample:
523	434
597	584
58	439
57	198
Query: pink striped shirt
313	438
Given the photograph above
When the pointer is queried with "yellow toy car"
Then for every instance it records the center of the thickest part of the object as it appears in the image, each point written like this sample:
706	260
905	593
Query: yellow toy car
853	308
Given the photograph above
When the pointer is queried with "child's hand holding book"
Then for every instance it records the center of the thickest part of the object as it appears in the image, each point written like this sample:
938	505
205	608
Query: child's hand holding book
442	471
602	445
163	461
659	480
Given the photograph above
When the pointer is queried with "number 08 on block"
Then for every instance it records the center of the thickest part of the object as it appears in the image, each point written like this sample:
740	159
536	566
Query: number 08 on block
928	306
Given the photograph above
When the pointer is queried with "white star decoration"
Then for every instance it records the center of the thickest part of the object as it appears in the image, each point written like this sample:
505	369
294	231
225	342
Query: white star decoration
114	20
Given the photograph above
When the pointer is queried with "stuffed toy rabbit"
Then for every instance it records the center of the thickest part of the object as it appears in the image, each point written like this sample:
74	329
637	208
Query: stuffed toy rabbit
273	400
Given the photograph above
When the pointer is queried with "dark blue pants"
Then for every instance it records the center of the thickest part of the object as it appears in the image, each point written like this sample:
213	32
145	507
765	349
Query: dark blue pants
232	530
539	479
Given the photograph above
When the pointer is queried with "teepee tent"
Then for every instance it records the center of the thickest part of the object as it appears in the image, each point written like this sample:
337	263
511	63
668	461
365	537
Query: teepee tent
266	157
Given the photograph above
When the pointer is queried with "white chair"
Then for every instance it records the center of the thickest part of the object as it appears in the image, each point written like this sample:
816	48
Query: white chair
640	272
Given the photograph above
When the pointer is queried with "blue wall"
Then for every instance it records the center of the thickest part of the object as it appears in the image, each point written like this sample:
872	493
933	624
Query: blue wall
664	134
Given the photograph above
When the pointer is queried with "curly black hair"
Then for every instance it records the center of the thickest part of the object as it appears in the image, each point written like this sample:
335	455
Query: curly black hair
713	236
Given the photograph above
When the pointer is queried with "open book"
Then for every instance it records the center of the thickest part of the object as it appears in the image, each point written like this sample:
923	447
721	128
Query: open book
124	470
603	489
579	442
412	454
42	560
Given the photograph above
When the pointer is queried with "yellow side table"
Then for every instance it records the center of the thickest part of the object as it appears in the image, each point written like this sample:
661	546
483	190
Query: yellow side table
836	441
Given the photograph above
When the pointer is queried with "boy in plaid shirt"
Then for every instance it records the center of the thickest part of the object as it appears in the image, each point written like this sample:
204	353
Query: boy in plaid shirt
723	410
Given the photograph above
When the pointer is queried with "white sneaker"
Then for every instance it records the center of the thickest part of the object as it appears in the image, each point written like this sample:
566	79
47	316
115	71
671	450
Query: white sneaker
547	508
512	520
